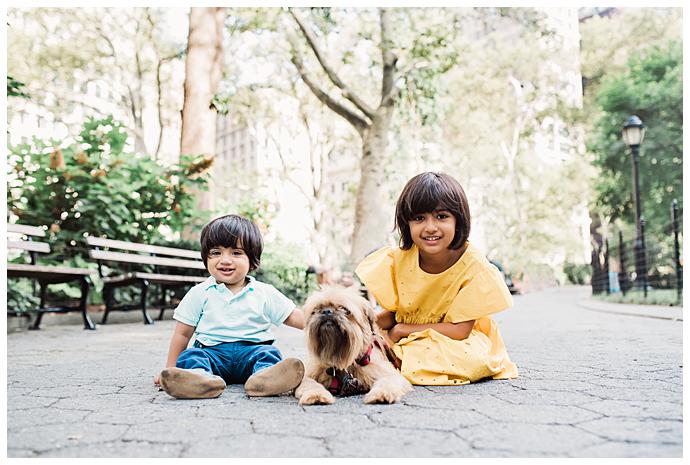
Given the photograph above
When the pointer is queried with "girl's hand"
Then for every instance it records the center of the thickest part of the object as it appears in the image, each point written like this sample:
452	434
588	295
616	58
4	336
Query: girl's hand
385	319
394	333
157	380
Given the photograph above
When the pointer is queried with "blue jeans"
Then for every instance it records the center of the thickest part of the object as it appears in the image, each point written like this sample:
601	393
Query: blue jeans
235	362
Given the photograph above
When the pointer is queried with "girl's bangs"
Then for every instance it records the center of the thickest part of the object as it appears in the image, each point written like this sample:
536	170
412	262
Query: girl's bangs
427	198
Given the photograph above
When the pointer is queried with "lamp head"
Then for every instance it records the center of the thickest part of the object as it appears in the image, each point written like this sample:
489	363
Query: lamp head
633	131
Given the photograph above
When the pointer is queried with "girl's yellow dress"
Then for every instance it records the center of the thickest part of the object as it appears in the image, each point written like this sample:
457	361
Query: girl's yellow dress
471	289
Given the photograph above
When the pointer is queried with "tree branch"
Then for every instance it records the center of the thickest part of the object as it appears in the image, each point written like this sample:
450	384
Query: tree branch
354	119
403	75
159	104
305	120
159	84
391	96
328	69
77	98
130	102
389	59
286	169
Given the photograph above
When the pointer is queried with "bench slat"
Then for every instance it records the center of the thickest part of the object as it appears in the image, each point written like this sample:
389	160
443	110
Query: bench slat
137	247
28	245
24	229
18	268
145	259
157	278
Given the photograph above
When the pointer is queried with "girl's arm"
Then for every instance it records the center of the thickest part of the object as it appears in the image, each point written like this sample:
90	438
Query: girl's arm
296	319
457	331
385	319
179	341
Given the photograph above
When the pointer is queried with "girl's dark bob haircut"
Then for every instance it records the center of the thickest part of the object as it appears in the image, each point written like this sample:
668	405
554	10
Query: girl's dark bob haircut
425	193
236	232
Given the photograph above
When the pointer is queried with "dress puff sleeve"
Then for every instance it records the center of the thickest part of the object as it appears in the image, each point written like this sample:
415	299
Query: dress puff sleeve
484	294
377	273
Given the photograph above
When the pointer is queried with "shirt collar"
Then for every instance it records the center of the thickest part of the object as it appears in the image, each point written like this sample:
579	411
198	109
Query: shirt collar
211	282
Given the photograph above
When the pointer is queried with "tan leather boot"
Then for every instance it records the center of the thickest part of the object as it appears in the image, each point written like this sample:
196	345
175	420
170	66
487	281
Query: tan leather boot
191	384
284	376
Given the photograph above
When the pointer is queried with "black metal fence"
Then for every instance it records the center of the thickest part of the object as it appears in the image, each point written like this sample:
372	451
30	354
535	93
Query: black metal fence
628	264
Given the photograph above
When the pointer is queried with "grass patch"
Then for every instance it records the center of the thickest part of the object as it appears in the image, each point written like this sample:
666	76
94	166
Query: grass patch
654	297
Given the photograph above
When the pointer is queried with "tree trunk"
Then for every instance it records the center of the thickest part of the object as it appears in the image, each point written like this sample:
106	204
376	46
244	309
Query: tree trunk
373	218
372	222
203	67
137	96
139	143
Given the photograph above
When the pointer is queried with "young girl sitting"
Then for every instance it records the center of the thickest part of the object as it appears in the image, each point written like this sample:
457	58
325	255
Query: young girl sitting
437	290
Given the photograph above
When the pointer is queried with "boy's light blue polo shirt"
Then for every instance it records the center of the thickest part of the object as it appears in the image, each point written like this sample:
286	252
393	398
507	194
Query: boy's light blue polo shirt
221	316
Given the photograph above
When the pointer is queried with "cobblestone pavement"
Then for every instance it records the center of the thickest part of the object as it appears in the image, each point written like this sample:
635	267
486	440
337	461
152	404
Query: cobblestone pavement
592	384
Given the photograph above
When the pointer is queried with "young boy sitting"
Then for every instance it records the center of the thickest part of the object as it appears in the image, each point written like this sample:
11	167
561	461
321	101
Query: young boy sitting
230	313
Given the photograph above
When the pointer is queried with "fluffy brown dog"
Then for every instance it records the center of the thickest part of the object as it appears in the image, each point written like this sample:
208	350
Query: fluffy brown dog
346	351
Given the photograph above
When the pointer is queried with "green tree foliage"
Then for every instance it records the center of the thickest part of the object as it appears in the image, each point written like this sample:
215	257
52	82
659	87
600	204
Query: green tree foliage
93	187
502	133
423	46
608	42
96	61
652	88
282	267
578	274
14	88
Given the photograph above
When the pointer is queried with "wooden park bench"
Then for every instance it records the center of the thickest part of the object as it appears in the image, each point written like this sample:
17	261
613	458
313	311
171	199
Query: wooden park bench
46	275
143	265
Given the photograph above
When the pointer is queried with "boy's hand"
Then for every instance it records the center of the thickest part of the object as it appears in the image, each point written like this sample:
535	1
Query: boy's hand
157	380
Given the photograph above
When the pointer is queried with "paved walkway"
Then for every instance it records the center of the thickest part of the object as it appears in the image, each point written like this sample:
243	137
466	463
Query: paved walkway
648	311
592	384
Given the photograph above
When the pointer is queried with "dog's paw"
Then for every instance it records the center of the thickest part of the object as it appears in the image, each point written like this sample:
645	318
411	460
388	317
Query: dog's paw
381	396
316	397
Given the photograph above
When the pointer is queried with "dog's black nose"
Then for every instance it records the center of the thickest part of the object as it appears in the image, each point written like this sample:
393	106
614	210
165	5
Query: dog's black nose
327	311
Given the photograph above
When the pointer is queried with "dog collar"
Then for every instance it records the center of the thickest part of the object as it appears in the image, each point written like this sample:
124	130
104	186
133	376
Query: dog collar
343	383
380	342
336	381
365	359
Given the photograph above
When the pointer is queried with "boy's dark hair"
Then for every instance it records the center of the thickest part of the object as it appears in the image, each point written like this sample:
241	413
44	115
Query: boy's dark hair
427	192
236	232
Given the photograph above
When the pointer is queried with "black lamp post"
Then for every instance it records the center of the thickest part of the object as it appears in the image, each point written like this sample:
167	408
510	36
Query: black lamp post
633	135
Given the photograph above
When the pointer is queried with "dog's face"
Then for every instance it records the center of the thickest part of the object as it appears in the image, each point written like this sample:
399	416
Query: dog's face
339	325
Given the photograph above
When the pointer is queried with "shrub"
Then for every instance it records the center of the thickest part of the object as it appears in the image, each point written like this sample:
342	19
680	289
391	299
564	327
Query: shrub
578	273
287	271
94	187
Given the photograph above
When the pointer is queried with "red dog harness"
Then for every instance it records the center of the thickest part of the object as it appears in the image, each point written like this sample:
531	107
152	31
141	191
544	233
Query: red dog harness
343	383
